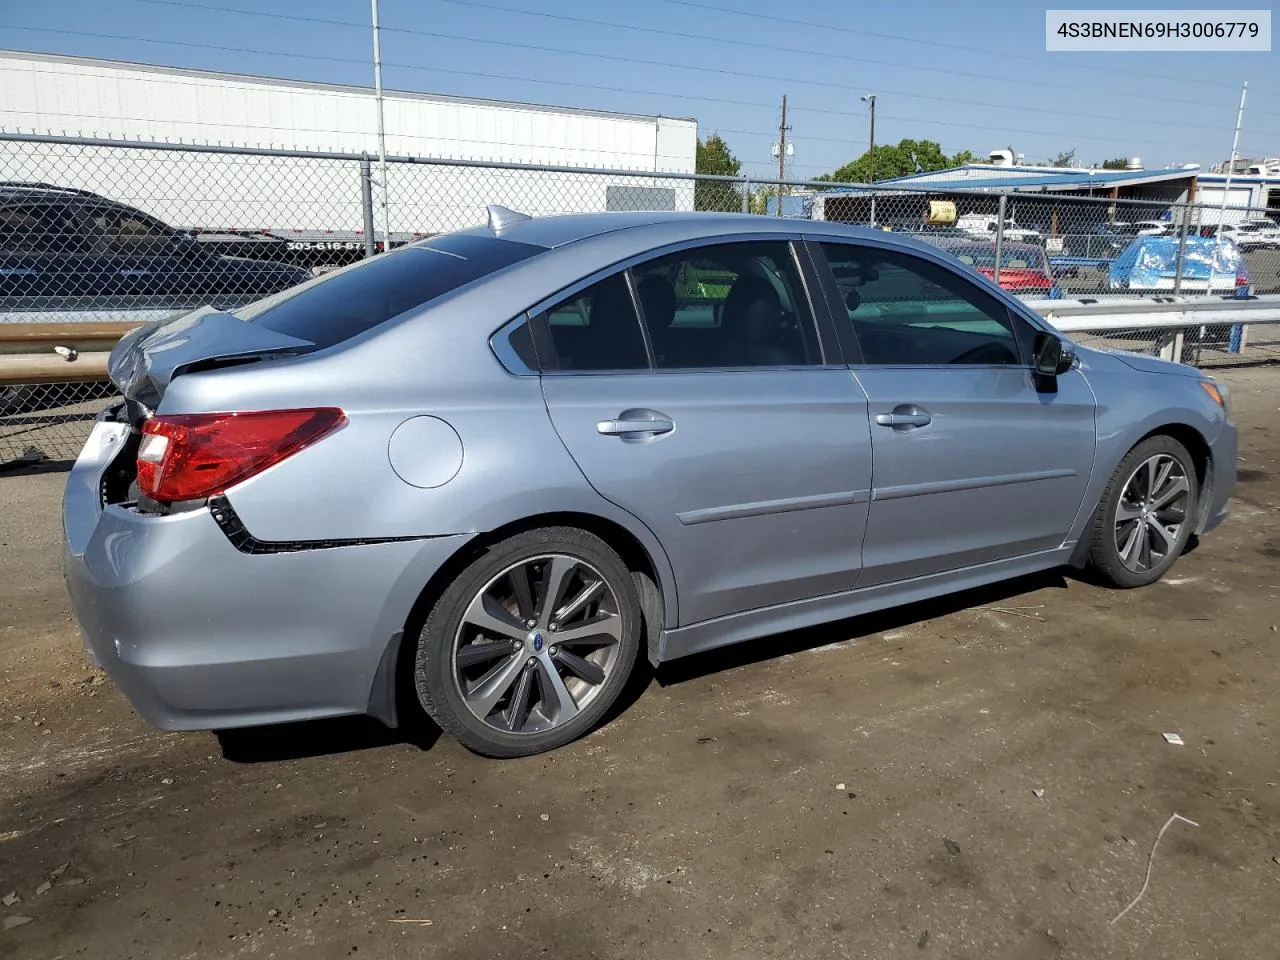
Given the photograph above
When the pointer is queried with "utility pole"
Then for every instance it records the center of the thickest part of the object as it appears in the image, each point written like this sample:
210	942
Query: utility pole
1231	164
871	99
782	151
382	136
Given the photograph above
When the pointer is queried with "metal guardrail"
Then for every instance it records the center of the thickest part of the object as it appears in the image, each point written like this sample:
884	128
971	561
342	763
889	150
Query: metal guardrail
1152	313
1165	325
32	353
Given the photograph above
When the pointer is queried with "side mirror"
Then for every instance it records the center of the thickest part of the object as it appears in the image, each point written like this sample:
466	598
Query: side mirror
1052	357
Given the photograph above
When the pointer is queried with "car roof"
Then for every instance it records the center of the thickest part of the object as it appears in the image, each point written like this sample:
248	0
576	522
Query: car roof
659	226
18	190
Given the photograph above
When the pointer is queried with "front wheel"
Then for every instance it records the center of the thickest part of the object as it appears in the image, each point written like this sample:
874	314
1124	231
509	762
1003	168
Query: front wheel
529	647
1146	515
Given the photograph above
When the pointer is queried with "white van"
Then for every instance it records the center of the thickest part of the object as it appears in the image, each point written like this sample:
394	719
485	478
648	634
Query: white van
983	226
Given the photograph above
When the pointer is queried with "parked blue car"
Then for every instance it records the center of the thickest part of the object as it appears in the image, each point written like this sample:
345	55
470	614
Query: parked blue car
1149	265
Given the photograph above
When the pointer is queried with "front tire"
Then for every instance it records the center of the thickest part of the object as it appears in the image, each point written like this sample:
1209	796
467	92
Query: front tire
532	643
1146	514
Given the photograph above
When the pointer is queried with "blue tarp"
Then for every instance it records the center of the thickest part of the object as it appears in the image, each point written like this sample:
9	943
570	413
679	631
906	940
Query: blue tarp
1148	260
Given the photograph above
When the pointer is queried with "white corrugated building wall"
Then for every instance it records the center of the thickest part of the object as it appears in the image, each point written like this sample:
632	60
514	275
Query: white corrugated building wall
41	93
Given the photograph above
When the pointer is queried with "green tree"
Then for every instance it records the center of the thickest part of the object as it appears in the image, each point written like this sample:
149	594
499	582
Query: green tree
1115	163
897	160
1067	158
713	156
760	197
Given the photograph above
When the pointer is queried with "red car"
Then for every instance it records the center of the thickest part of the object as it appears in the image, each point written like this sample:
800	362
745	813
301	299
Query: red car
1024	268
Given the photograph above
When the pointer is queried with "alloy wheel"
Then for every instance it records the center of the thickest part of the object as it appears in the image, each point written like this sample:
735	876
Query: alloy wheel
1152	510
537	644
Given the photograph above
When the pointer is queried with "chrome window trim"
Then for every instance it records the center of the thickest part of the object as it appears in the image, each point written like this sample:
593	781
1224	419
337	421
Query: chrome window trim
501	347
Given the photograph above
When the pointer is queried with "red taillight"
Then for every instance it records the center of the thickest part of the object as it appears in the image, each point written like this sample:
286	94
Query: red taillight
197	455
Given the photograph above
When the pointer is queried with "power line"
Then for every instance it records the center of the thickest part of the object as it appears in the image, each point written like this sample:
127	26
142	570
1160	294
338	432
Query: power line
725	40
807	52
1002	128
667	64
1004	54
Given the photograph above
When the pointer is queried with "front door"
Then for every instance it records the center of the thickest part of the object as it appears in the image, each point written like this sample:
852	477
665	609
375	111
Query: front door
973	463
720	428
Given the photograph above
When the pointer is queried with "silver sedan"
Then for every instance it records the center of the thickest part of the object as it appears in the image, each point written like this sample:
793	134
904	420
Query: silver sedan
484	474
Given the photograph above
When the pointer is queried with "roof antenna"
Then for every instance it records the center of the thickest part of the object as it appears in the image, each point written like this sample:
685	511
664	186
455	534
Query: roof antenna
501	217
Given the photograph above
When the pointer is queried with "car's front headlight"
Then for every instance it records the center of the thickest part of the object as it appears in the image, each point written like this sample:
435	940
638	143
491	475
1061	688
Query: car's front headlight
1220	392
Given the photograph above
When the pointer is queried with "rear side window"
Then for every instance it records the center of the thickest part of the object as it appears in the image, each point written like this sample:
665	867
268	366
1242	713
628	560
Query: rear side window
41	229
346	303
598	329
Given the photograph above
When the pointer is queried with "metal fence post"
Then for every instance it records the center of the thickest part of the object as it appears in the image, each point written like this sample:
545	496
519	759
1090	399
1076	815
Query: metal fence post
1182	249
995	273
746	194
366	204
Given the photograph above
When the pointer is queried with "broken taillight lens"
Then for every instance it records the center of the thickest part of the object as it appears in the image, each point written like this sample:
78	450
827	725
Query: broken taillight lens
197	455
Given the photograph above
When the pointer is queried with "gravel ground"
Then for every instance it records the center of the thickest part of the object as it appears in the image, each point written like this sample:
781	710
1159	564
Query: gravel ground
981	777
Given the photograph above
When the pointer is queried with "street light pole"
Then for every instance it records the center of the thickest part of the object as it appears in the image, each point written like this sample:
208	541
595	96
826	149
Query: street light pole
382	136
871	99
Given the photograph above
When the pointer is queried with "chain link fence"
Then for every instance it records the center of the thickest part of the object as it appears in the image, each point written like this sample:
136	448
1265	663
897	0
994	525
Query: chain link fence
94	231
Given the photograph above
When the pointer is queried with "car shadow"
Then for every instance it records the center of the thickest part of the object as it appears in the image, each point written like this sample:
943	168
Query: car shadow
700	665
317	738
31	468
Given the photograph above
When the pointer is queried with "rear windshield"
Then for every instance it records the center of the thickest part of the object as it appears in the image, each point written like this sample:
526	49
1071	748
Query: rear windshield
345	303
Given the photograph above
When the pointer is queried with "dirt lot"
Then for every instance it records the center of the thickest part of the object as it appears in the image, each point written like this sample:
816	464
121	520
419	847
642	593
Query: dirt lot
982	778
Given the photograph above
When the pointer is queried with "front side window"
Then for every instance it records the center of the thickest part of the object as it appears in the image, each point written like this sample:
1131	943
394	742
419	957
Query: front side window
130	233
730	305
908	310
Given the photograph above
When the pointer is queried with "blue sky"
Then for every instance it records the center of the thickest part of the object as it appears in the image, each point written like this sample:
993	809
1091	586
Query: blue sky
971	75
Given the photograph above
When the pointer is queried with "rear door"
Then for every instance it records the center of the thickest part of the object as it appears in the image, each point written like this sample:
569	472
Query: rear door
973	463
716	420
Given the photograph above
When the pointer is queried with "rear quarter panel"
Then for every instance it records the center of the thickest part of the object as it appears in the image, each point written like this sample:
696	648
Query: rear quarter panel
345	487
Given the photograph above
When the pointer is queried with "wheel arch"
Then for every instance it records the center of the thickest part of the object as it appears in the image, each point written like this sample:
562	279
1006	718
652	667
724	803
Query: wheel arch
1197	446
647	562
1191	438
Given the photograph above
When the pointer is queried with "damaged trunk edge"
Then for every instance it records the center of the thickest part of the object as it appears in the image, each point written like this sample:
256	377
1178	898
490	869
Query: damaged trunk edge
145	360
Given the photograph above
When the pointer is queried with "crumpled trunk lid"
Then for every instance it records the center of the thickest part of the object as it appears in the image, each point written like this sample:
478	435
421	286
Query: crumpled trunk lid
146	359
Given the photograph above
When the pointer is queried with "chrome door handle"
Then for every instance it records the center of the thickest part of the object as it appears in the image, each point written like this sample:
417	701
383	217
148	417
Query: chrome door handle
904	417
636	423
618	428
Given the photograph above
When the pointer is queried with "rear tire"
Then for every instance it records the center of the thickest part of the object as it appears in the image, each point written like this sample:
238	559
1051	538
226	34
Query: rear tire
509	673
1146	514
